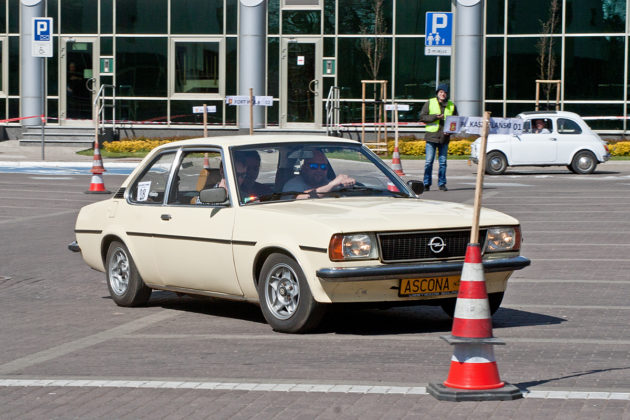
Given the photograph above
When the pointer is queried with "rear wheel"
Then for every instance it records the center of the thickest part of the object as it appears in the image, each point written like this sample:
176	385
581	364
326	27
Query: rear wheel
123	280
494	300
496	163
583	163
285	297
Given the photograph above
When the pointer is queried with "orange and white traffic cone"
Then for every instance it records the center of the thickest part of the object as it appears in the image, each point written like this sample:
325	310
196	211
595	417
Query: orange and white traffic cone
97	186
396	165
473	374
206	161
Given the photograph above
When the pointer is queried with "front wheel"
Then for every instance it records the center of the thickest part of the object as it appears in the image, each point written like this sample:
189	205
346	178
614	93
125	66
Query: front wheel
583	163
496	163
494	301
123	280
285	297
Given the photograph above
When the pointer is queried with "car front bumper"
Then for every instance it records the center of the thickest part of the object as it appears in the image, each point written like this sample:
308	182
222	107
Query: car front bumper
391	271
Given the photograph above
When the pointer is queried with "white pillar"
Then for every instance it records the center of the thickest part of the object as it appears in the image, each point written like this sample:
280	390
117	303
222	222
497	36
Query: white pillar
251	57
468	93
31	68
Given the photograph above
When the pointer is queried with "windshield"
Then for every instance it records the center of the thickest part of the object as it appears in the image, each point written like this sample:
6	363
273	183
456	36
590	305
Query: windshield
311	171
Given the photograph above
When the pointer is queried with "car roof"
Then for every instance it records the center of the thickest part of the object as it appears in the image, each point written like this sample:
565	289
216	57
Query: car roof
258	139
542	114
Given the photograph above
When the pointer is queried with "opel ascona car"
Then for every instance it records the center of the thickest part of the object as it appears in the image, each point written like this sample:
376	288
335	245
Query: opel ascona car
293	223
549	138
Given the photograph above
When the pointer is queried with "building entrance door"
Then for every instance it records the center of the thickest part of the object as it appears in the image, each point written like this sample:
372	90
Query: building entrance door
79	80
301	103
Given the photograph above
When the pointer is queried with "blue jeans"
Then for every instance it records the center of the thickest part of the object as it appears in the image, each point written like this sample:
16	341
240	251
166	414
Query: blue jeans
428	164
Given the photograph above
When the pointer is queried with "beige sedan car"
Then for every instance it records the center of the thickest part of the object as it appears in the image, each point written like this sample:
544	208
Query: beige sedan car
294	223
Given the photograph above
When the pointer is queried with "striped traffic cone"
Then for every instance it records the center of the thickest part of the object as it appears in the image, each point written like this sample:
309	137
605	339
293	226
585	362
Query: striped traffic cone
396	165
206	161
97	186
473	374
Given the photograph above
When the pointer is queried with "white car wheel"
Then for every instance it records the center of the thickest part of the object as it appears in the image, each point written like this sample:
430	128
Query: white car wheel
123	280
583	163
285	298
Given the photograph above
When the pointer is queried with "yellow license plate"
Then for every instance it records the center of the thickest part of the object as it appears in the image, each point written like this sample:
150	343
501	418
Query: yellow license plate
429	286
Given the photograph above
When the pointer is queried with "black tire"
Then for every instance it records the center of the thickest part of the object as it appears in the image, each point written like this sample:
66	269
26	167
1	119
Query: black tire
285	298
584	162
125	285
494	300
496	163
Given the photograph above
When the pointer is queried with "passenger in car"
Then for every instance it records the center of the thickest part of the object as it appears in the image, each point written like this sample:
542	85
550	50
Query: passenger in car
313	178
249	186
540	127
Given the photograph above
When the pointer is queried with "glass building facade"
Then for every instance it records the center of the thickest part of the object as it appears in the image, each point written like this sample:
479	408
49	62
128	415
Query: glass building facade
166	56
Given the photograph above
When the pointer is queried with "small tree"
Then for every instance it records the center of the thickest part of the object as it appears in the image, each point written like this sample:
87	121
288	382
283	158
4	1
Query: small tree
546	58
374	48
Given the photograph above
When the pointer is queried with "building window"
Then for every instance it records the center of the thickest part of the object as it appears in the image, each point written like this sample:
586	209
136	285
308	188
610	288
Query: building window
197	17
141	16
198	67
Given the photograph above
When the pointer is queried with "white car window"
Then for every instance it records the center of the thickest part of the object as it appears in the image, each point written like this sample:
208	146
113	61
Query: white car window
566	126
197	170
284	171
149	188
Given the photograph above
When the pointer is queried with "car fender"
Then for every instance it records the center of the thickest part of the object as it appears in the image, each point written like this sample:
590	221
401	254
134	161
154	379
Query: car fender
249	264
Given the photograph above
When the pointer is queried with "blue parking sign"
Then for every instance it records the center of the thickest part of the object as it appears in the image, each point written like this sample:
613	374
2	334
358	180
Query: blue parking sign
42	41
438	29
42	29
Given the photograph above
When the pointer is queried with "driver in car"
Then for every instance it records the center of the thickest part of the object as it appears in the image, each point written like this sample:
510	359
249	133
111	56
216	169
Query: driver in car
313	178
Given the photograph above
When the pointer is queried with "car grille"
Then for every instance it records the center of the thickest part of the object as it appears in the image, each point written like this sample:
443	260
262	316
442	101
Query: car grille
416	246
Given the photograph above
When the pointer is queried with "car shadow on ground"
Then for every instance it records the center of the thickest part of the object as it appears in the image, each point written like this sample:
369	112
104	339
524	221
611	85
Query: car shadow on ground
207	305
547	172
418	319
351	319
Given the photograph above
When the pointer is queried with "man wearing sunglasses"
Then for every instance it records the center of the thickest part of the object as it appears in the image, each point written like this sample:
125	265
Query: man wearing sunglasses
313	179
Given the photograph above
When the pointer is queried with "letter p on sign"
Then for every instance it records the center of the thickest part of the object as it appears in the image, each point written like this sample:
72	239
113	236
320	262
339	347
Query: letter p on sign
440	21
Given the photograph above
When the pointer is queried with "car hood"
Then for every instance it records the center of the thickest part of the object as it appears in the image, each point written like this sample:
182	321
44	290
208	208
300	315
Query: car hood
379	214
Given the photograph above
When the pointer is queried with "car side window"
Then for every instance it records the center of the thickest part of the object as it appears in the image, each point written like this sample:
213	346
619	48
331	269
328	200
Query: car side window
566	126
149	188
197	170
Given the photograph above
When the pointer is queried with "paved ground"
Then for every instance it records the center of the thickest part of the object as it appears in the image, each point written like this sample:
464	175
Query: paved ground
69	352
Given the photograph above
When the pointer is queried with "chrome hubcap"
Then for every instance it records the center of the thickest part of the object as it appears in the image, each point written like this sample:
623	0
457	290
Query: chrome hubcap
282	291
584	163
118	272
496	163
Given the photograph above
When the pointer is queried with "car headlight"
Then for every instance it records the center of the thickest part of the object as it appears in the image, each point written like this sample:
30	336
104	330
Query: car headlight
506	238
354	246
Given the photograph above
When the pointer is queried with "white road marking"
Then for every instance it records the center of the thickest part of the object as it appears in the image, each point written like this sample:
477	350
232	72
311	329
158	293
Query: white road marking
348	388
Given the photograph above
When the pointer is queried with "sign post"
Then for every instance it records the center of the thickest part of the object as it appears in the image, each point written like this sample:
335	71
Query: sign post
42	46
251	101
438	37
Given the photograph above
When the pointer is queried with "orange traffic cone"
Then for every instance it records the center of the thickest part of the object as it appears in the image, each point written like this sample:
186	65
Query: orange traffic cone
391	187
206	161
97	186
396	165
473	375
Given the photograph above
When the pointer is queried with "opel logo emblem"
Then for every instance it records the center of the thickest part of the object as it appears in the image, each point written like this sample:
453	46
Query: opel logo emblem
436	244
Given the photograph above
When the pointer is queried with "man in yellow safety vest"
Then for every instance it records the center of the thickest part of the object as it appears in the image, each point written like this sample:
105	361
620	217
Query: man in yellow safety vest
434	113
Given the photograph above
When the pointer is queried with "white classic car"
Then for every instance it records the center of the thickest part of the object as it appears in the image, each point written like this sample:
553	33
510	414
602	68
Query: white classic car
293	223
549	138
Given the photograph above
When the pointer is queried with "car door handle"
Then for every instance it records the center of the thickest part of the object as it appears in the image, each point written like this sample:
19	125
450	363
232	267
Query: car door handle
553	139
165	217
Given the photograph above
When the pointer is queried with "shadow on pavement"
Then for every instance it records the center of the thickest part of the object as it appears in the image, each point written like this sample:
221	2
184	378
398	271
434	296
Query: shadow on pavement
350	319
525	385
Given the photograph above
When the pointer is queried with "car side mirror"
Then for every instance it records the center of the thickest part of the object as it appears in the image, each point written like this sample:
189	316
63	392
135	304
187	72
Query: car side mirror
213	195
416	186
